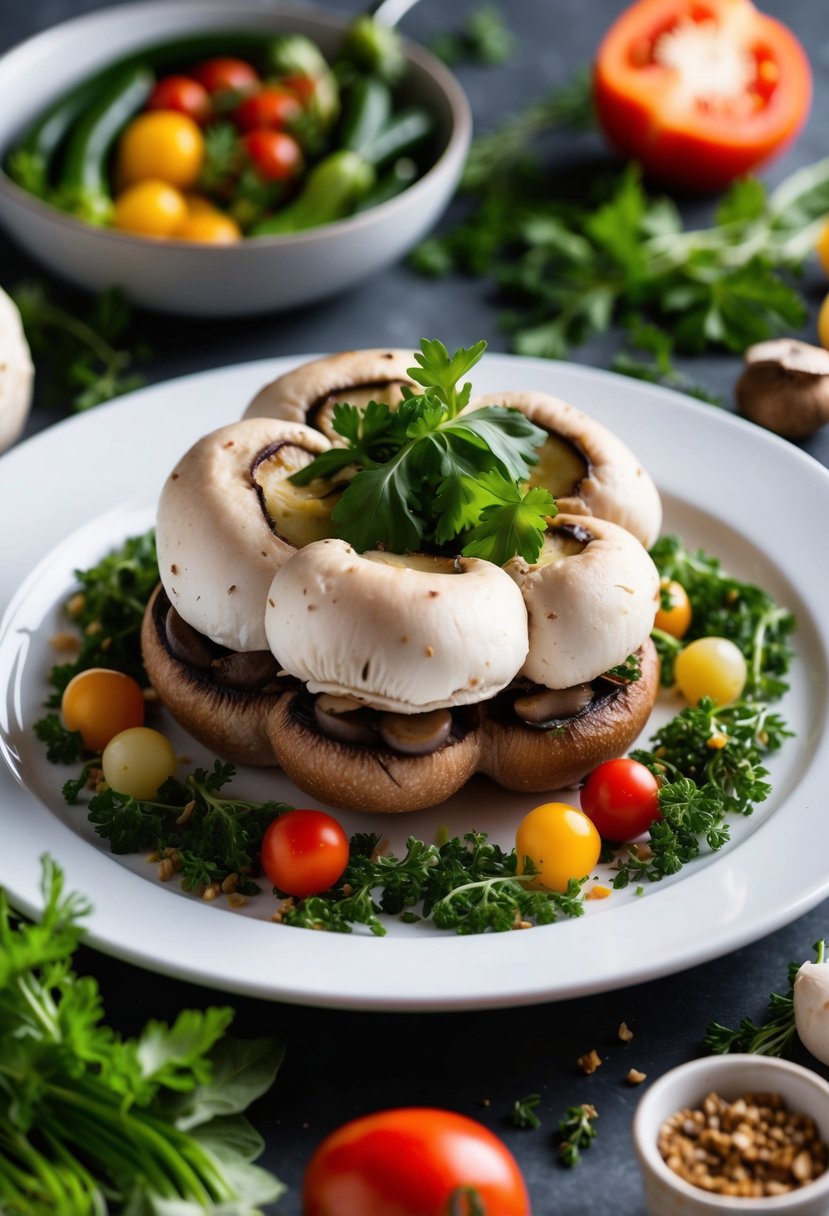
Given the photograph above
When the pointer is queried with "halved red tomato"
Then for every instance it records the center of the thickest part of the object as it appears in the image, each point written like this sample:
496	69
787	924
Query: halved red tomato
700	92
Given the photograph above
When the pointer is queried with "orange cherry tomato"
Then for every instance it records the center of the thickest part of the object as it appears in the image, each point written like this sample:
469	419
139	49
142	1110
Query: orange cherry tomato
161	145
674	613
100	704
413	1161
149	208
700	91
208	227
304	852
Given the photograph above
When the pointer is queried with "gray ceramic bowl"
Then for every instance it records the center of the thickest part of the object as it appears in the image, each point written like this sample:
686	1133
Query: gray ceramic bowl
269	273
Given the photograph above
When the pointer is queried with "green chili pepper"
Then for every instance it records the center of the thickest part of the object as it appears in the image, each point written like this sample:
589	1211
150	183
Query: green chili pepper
367	108
331	191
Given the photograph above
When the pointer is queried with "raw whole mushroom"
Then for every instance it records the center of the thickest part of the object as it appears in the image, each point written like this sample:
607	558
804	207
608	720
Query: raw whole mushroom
16	373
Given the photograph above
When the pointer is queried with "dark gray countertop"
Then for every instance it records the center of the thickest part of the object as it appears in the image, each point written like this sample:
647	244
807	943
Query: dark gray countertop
340	1064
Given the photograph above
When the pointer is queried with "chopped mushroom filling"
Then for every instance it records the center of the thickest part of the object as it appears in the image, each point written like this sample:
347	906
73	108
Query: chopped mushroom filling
320	414
299	514
561	467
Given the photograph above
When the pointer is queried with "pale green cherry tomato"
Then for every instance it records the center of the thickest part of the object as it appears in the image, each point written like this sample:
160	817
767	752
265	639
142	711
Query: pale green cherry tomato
138	761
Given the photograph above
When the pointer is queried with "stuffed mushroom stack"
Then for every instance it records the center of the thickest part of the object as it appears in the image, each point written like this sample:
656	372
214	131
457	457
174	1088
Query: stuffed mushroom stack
382	681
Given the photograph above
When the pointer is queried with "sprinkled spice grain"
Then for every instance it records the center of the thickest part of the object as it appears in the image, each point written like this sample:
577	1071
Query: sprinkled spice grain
749	1148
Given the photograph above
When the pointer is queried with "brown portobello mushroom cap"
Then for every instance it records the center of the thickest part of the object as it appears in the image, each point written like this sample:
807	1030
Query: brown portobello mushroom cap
587	468
371	778
230	718
560	752
309	393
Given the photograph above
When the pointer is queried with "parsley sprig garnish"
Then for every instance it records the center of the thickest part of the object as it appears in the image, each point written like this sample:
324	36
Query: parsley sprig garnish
567	271
212	834
576	1132
468	885
523	1111
430	476
108	609
709	759
727	607
775	1035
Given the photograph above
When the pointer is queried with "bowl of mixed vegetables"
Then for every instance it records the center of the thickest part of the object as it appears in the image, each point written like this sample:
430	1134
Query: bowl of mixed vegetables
213	162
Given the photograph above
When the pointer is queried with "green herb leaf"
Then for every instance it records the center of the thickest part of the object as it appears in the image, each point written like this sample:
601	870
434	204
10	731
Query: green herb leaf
83	1127
576	1132
511	522
772	1037
523	1111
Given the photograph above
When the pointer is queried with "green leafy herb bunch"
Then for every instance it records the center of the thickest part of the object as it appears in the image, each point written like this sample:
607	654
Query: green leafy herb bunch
433	476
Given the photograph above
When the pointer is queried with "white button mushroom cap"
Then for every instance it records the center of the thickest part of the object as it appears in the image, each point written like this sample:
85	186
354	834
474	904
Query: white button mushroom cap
811	1009
217	550
292	395
405	634
615	485
588	608
16	373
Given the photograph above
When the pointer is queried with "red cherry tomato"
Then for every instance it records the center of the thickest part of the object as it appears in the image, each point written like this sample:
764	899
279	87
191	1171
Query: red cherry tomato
304	852
224	74
700	91
302	85
412	1162
271	108
183	94
275	155
622	799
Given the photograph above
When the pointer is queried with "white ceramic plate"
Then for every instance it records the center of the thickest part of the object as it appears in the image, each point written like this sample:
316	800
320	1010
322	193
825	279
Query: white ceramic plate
77	490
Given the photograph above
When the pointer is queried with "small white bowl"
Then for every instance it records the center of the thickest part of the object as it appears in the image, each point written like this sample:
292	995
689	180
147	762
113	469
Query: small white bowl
730	1076
253	276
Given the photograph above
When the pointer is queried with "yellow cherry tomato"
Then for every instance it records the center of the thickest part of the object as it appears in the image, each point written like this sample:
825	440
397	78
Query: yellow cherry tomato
823	323
150	208
211	228
137	761
197	204
711	667
161	144
822	247
561	843
99	703
675	617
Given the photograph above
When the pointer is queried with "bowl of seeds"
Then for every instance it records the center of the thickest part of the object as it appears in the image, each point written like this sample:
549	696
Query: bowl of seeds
735	1133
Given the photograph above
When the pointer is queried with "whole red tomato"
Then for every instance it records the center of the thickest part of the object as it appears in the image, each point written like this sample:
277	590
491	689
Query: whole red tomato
304	852
700	93
275	155
183	94
226	74
270	108
413	1161
622	799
